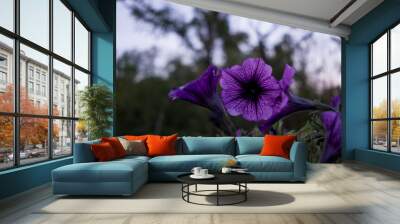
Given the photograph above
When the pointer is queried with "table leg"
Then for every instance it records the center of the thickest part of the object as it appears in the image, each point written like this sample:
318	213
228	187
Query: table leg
188	189
245	193
195	188
217	194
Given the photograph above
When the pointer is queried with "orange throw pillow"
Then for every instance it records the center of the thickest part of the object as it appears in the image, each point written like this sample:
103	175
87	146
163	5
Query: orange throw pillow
116	145
135	137
103	152
275	145
161	145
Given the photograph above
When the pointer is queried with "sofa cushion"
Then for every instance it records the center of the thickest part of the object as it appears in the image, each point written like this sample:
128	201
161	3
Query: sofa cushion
257	163
112	171
103	152
207	145
185	163
277	145
132	158
134	147
161	145
249	145
116	145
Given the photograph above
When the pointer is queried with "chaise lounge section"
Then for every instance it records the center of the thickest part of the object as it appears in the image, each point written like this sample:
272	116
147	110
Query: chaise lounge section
125	176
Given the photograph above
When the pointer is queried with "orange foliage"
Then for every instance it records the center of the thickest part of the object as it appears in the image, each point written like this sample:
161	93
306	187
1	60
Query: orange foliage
33	130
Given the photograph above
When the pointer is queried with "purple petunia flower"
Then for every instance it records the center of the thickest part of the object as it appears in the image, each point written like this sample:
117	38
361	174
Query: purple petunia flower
292	102
251	91
333	132
201	91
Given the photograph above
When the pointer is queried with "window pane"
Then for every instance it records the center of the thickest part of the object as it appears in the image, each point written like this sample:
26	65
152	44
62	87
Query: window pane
34	97
395	47
81	131
379	135
6	74
62	138
379	98
6	142
379	55
395	136
33	140
81	45
35	21
62	29
62	89
81	82
7	14
395	95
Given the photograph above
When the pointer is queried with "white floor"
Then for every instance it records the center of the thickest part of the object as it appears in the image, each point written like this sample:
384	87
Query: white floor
377	190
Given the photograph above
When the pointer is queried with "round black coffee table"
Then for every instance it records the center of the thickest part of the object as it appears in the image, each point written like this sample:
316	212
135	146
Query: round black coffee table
238	179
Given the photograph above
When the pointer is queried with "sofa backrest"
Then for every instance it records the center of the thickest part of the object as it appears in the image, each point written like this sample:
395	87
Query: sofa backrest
206	145
249	145
83	152
190	146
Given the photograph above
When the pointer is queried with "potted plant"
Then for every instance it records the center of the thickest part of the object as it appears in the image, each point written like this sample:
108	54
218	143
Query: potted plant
96	103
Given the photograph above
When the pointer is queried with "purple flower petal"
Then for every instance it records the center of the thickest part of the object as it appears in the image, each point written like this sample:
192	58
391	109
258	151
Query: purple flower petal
287	77
249	90
335	102
332	123
201	91
294	104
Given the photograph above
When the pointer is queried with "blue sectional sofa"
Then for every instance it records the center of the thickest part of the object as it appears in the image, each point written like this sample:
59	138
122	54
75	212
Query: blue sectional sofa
125	176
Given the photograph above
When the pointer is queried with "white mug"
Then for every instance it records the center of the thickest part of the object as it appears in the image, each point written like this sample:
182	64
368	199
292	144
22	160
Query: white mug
203	172
226	170
196	171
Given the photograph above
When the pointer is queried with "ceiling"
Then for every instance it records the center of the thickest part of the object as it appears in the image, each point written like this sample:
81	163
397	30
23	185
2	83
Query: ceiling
325	16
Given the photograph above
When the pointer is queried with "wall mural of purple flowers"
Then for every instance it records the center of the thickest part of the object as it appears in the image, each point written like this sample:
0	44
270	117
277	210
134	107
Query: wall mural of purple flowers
250	91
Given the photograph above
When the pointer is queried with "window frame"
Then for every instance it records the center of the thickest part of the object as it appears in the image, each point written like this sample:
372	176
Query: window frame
16	114
388	74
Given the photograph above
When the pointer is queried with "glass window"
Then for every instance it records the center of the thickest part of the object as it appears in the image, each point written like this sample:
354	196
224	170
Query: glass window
6	142
7	14
33	140
384	80
3	78
395	47
40	62
395	136
379	56
6	74
30	71
379	133
3	61
81	131
62	29
34	80
38	89
62	138
62	75
34	21
395	95
30	87
379	98
81	82
81	45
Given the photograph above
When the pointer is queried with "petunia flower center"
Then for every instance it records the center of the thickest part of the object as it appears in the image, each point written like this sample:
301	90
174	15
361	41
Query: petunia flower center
251	90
